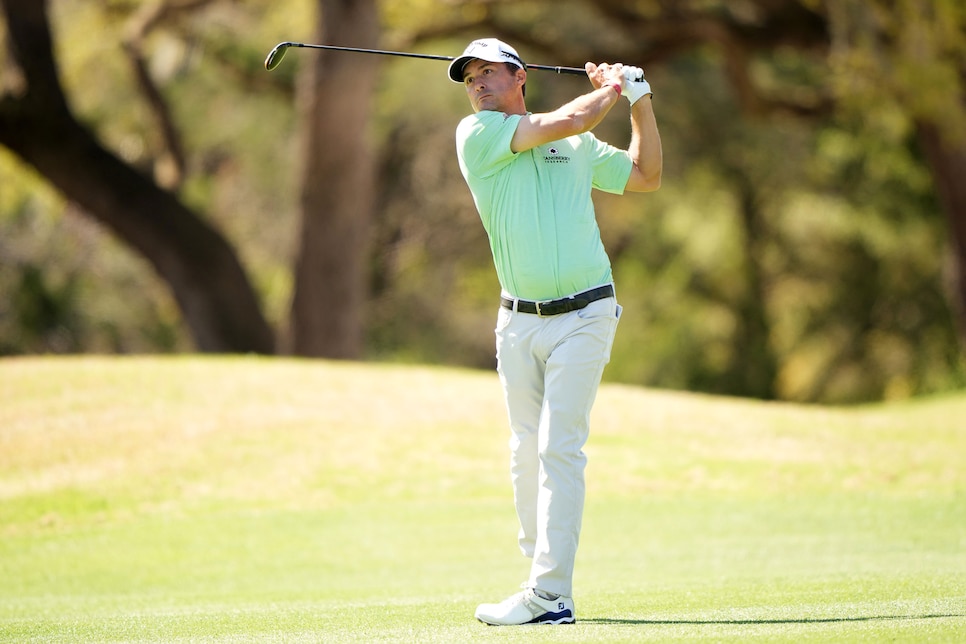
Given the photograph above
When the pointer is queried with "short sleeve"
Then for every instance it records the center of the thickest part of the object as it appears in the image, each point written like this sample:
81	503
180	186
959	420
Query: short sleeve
483	142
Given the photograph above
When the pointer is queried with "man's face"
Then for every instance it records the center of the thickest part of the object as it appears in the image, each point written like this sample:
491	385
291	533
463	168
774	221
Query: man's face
491	86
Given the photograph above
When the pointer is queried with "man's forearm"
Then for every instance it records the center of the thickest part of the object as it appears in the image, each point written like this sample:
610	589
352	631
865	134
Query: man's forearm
645	147
590	109
579	115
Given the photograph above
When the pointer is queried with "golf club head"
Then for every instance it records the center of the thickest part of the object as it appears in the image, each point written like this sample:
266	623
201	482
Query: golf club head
275	56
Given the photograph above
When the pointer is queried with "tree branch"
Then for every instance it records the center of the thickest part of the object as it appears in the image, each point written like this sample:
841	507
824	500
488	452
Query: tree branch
169	168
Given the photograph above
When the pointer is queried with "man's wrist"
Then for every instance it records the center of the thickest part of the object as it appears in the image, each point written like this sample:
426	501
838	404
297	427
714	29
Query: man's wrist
616	86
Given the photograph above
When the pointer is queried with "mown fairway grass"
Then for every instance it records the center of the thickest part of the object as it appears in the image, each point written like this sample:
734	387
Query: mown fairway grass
246	499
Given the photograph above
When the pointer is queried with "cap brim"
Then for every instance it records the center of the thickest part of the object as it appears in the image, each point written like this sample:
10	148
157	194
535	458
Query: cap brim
456	68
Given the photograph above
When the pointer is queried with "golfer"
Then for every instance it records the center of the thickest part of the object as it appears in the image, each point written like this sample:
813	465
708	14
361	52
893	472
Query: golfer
531	177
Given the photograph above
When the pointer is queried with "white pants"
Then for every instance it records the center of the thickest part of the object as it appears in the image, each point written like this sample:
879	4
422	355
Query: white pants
550	368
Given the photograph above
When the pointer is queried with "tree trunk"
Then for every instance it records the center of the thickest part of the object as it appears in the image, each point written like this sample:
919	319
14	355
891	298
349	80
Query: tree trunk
754	367
948	162
338	182
215	296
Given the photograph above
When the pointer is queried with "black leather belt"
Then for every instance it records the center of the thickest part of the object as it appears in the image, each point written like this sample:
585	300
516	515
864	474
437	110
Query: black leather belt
563	305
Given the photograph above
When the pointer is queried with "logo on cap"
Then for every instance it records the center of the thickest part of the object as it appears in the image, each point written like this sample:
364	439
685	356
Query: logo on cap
484	50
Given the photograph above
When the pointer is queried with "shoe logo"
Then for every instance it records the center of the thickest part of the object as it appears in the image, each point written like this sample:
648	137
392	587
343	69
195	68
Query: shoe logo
560	605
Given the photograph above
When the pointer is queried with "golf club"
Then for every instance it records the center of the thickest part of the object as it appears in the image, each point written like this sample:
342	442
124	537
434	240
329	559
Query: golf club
275	56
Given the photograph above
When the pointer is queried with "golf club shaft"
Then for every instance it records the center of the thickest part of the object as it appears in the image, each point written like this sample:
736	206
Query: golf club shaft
275	56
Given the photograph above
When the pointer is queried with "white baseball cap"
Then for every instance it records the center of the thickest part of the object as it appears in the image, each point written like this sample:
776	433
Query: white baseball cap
488	49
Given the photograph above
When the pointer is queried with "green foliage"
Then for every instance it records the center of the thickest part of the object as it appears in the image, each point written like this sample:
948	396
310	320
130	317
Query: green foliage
238	131
825	231
54	268
887	330
909	52
845	237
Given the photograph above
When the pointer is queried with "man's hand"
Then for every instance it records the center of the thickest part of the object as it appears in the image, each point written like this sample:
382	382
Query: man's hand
635	86
606	74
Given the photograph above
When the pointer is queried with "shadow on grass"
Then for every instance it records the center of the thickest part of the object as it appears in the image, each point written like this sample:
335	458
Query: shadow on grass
803	620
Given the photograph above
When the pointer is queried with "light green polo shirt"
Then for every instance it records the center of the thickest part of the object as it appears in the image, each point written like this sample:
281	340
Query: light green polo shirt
536	205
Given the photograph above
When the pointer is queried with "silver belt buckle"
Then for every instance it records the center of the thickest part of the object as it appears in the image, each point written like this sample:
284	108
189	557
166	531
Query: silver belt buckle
539	306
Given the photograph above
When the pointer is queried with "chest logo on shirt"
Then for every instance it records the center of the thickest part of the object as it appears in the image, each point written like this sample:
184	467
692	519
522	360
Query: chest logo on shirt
553	156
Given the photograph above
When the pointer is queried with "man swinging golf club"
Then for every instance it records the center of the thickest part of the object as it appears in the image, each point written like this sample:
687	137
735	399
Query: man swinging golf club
531	177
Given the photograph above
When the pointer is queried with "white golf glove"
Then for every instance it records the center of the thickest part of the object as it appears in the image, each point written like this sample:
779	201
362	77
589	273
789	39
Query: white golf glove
634	84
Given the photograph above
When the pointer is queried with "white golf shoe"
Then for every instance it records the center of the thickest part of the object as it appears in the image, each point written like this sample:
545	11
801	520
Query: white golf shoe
528	608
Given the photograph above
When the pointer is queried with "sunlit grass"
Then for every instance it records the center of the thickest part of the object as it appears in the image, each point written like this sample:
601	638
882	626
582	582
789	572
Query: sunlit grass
249	499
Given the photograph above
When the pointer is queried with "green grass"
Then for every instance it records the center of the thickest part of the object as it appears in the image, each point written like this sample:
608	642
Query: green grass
247	499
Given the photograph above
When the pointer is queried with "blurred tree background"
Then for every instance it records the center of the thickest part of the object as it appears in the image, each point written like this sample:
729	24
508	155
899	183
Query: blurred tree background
808	243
